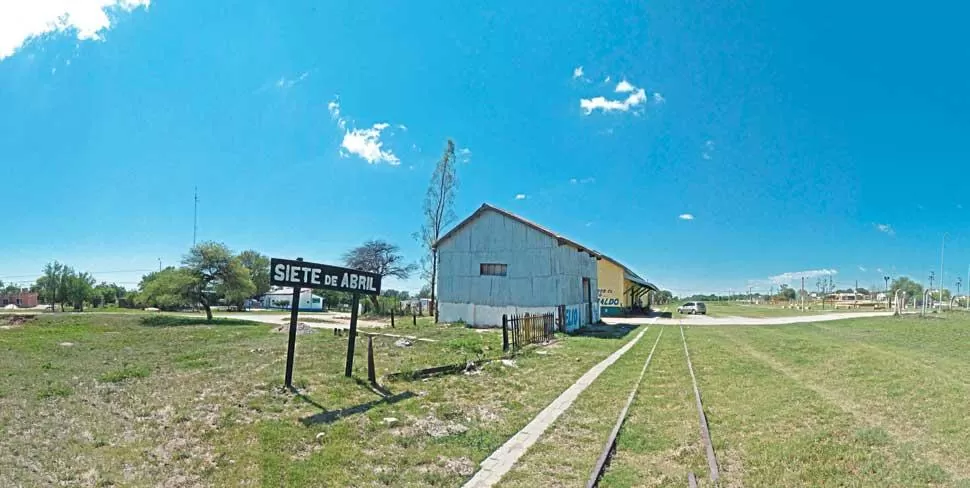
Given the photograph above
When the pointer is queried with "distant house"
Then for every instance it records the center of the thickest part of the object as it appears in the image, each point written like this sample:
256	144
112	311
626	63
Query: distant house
495	262
22	299
283	298
416	305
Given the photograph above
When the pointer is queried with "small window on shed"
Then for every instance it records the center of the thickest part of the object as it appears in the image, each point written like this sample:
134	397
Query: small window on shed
492	269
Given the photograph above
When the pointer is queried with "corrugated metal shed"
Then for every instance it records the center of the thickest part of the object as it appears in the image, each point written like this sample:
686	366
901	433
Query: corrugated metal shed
544	269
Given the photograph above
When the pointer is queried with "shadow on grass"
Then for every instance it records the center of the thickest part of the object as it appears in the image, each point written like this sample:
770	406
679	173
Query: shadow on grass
604	331
329	417
439	370
173	321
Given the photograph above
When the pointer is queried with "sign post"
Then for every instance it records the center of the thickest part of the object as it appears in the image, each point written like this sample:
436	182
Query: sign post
352	339
300	274
291	345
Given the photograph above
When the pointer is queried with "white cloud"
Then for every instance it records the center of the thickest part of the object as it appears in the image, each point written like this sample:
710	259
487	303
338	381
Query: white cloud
797	275
602	103
589	224
624	87
658	98
862	268
283	83
686	216
606	80
364	143
334	108
520	196
582	181
879	270
21	21
578	72
402	127
885	228
708	150
464	155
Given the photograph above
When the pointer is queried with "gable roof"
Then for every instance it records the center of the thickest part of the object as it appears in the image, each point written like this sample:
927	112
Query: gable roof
486	207
630	275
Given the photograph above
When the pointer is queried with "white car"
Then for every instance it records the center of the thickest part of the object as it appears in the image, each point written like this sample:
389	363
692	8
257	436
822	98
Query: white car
692	308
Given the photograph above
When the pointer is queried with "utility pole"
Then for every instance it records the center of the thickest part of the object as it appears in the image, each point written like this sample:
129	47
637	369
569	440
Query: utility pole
803	293
195	216
959	282
931	284
889	300
942	249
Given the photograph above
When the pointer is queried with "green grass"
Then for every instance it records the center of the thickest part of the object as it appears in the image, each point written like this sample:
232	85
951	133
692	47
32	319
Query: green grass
156	400
734	309
568	450
862	402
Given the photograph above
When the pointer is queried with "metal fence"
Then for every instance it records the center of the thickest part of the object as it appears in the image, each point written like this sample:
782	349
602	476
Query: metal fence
520	330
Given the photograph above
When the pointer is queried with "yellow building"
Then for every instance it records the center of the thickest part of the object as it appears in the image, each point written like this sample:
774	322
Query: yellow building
620	289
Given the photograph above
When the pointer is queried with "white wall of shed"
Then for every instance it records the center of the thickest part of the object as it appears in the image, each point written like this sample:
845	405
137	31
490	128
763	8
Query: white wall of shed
541	273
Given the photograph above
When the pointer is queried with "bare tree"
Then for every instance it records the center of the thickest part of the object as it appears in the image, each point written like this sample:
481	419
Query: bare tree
439	212
379	257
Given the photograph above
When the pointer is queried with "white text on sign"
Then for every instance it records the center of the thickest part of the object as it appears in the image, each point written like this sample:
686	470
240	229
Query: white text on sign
300	275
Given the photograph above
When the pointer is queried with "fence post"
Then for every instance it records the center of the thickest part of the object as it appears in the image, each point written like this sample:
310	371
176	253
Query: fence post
392	317
514	324
371	374
505	333
414	319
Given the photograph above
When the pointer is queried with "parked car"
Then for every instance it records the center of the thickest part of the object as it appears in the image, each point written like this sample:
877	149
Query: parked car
692	308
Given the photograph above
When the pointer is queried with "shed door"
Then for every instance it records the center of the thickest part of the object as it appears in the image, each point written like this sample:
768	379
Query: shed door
587	300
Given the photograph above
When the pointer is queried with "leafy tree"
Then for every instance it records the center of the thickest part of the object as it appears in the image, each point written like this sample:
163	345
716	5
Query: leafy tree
663	297
425	292
10	289
50	283
217	272
103	295
904	283
333	299
79	287
258	266
169	289
439	212
400	295
379	257
787	293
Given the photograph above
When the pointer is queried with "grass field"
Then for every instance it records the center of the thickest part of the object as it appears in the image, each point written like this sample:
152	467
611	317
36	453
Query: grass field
734	309
142	400
99	400
864	402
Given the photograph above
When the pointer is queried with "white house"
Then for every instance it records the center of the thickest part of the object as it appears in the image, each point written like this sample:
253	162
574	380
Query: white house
283	297
495	262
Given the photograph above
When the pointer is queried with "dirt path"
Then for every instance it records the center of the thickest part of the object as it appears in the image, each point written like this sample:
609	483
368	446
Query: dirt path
705	320
325	320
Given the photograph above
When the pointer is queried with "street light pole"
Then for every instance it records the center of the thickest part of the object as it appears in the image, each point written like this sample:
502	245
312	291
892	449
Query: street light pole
889	301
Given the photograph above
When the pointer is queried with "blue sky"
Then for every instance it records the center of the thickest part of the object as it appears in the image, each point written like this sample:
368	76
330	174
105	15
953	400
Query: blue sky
801	138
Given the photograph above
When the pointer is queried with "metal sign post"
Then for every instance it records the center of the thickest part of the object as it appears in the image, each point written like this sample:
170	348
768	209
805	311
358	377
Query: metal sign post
352	337
291	345
300	274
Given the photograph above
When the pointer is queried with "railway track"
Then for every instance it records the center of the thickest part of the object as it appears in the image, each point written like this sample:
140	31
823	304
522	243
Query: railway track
609	449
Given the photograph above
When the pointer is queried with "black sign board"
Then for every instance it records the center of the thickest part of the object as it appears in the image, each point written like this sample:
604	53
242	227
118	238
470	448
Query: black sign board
303	274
